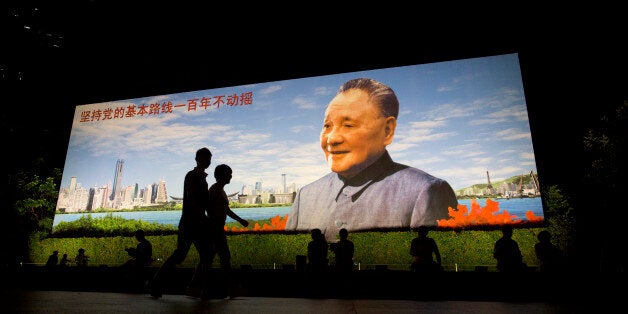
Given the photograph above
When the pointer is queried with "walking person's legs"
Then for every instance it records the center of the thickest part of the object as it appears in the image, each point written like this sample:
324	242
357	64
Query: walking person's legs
156	285
222	249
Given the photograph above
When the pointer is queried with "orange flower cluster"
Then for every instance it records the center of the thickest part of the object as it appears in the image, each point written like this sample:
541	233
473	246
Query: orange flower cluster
277	223
460	218
481	216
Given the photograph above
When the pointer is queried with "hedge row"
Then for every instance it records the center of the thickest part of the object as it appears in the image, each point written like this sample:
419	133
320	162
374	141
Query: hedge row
460	250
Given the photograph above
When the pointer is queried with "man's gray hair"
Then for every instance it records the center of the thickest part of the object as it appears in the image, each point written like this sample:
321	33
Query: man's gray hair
379	93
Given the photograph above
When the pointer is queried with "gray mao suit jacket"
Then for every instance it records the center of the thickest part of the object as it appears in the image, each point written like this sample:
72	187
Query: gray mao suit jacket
386	195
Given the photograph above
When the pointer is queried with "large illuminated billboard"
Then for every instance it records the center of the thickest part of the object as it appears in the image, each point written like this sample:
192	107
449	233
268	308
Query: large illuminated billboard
462	123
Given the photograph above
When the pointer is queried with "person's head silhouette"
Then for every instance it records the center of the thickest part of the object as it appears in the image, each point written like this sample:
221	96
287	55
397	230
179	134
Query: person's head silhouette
140	234
316	233
203	157
223	173
423	231
343	234
507	231
544	236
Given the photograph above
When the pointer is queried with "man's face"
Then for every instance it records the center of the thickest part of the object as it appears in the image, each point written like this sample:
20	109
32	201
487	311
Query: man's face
354	133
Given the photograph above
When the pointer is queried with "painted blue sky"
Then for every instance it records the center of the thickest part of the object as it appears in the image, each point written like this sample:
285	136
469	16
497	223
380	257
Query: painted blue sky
458	119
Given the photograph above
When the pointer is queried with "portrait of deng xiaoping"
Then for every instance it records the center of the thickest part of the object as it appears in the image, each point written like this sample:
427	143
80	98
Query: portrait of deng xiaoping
444	144
366	189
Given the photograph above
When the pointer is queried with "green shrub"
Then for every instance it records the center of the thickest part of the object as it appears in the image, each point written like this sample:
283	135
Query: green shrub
459	249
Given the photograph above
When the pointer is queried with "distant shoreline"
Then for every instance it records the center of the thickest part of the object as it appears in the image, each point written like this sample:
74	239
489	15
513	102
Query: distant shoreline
153	208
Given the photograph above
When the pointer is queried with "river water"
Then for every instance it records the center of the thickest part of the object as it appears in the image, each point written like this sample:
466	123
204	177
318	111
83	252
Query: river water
514	206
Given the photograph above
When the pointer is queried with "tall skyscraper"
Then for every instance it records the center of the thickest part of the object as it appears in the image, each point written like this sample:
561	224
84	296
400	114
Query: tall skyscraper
72	184
162	194
283	181
117	179
148	194
136	191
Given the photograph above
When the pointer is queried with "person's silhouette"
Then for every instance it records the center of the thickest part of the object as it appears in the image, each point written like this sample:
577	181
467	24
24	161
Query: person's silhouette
217	211
550	257
53	259
317	251
63	263
507	253
424	249
343	251
141	257
193	225
81	258
142	254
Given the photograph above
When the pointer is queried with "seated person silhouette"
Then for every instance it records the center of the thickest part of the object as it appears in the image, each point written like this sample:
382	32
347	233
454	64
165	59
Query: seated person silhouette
64	261
507	253
53	259
550	257
317	252
424	249
81	259
343	251
141	255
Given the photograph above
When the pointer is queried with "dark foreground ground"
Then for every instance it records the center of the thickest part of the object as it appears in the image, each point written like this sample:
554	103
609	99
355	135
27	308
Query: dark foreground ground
113	290
115	302
365	284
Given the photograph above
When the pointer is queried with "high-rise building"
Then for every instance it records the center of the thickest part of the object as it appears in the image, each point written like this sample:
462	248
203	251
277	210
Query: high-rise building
283	181
72	184
148	194
136	191
117	179
162	195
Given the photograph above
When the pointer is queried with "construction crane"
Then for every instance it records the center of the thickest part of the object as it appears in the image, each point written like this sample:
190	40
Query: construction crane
535	181
520	186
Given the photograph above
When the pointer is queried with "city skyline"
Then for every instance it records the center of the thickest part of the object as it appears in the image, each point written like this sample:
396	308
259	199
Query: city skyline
285	187
75	183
